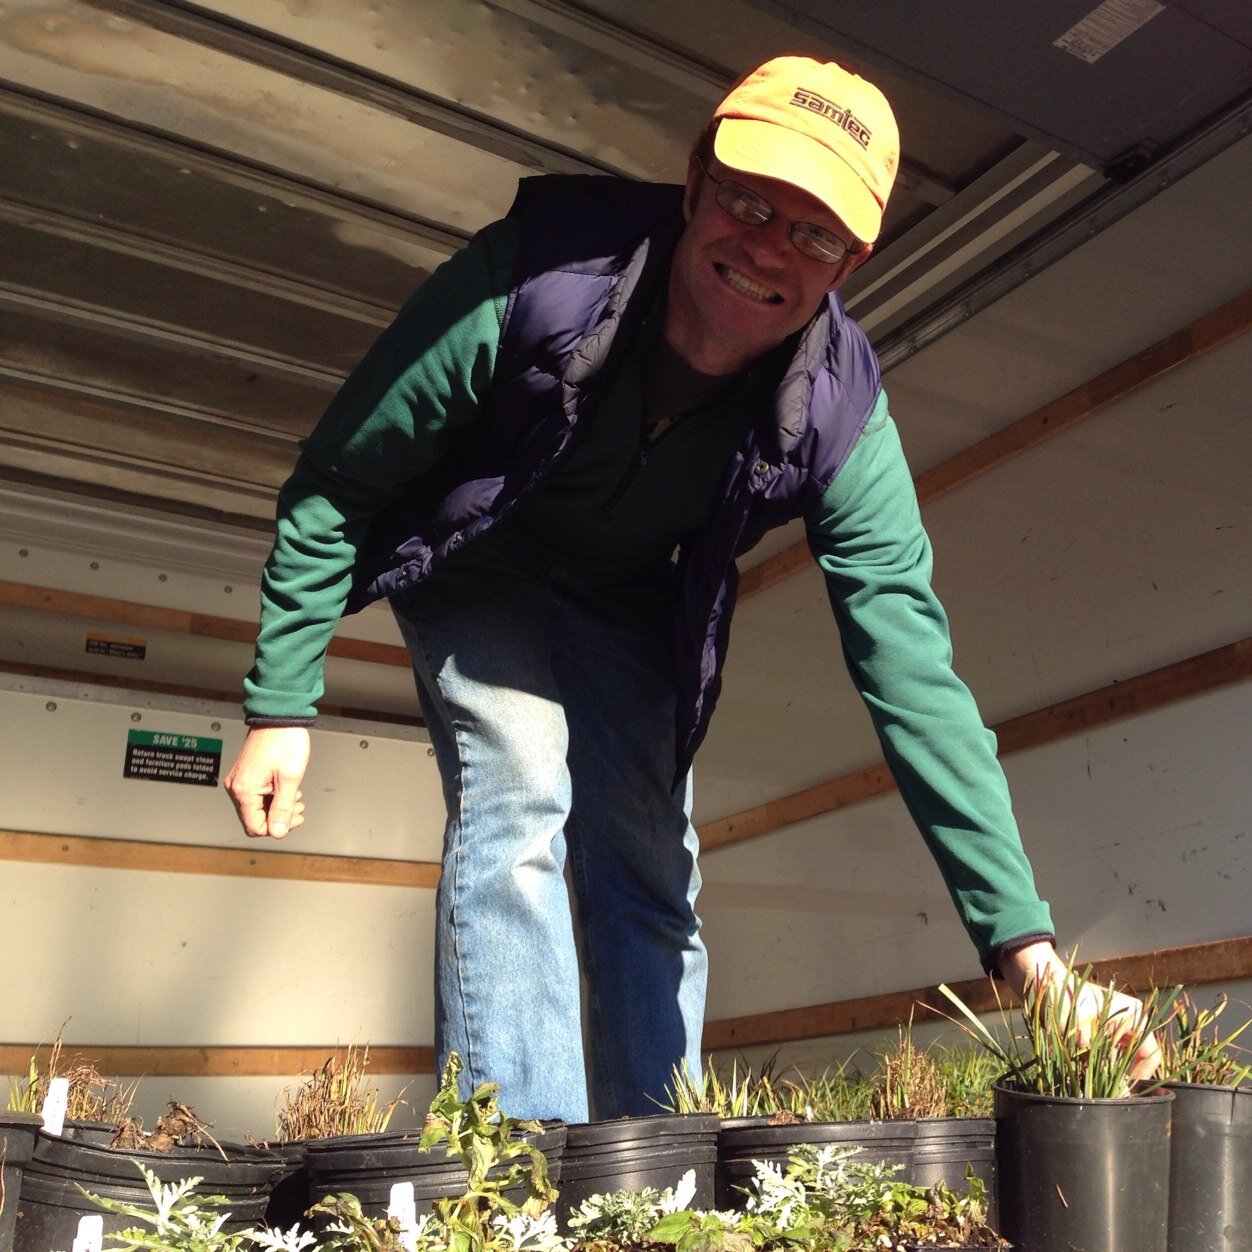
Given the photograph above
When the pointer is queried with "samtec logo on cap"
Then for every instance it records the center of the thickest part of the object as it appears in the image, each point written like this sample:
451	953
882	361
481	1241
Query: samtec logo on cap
816	103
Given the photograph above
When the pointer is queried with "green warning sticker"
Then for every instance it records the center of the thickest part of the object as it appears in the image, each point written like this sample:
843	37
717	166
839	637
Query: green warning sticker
161	756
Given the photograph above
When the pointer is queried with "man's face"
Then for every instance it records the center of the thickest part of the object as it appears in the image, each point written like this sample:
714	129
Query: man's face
736	291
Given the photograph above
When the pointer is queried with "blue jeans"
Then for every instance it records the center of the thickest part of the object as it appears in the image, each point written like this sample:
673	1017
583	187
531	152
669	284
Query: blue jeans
554	733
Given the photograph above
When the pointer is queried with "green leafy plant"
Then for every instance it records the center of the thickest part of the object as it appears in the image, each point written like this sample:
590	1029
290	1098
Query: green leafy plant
1047	1057
497	1160
335	1100
1194	1050
820	1201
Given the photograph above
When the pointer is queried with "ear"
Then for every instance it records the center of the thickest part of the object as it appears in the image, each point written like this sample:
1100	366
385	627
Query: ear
850	264
691	193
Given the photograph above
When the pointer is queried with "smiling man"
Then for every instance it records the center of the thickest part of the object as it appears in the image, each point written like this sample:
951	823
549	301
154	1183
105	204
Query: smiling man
549	464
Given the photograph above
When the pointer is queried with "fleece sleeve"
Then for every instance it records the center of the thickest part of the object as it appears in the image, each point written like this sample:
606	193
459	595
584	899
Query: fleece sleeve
867	537
391	421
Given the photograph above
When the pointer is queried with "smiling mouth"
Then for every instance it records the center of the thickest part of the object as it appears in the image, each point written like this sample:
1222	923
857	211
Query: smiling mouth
745	286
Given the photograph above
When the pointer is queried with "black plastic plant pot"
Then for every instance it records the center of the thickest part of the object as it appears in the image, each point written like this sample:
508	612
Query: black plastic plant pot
744	1140
83	1131
52	1204
368	1166
17	1142
1210	1185
1083	1175
289	1195
637	1152
947	1149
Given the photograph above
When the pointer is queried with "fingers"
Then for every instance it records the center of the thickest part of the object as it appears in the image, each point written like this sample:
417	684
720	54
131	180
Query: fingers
264	783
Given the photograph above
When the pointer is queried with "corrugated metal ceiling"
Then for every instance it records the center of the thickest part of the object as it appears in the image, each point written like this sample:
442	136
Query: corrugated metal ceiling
208	211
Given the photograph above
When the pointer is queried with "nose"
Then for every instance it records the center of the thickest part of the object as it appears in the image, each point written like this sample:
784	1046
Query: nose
769	245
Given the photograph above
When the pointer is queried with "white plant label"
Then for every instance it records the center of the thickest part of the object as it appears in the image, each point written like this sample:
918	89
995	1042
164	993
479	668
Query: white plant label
54	1105
403	1208
90	1236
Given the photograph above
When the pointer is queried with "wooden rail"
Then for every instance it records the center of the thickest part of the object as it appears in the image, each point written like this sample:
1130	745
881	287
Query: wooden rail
1214	329
1141	694
181	858
212	1062
1225	960
149	686
179	621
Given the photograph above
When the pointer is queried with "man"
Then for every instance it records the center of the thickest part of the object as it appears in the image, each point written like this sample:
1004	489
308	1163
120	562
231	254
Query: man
615	374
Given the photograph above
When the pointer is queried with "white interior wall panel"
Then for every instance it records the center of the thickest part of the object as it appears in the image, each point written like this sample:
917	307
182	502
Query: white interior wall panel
208	960
1150	274
367	796
1138	832
1119	546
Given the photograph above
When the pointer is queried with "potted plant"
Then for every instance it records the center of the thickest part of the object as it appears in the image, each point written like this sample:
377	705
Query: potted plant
946	1095
1082	1156
367	1166
336	1103
819	1200
768	1118
501	1200
1210	1186
181	1218
62	1171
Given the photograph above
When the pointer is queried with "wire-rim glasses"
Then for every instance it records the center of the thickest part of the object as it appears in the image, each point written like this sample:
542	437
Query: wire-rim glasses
752	209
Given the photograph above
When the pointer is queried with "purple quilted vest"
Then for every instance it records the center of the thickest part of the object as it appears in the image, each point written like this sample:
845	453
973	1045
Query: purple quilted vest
594	254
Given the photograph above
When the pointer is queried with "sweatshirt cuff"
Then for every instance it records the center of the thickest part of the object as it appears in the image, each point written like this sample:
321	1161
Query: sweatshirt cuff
992	964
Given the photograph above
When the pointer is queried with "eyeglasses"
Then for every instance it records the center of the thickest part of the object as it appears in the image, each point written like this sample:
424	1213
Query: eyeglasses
745	206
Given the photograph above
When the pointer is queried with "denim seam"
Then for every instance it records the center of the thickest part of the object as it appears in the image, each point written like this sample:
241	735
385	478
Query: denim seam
602	1070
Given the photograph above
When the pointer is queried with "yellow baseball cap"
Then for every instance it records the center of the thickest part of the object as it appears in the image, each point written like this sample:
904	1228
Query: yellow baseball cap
820	127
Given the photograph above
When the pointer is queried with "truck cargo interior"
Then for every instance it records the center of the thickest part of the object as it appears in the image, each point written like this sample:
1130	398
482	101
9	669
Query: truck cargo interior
208	211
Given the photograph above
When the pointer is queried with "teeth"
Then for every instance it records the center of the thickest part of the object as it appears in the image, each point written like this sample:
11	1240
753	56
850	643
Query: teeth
742	283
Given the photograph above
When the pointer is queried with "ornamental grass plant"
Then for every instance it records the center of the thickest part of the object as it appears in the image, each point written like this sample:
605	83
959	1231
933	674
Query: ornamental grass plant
1044	1053
1194	1050
92	1097
335	1100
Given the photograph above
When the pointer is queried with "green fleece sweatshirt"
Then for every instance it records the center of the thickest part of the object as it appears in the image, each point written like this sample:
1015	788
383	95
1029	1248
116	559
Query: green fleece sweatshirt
606	525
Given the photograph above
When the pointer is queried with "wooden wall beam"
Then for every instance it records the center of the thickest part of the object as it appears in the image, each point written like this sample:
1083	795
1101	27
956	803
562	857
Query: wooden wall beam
213	1062
1225	960
148	686
178	621
1141	694
175	858
1228	960
1214	329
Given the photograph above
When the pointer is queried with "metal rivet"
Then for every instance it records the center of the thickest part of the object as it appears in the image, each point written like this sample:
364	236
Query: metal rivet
51	706
228	589
430	751
136	717
163	578
215	725
22	552
365	743
94	565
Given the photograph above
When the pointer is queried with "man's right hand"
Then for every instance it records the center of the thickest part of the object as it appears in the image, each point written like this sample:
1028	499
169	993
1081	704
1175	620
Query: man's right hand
264	782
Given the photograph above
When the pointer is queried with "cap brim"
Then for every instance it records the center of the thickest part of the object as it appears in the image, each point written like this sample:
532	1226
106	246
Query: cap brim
771	151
